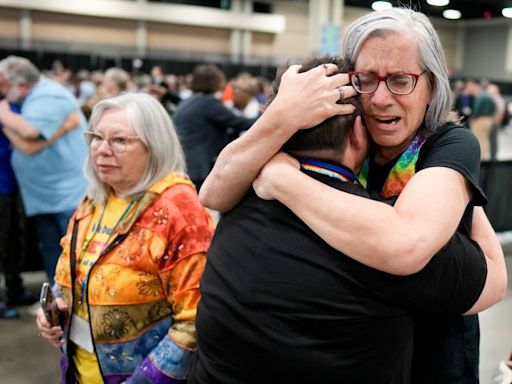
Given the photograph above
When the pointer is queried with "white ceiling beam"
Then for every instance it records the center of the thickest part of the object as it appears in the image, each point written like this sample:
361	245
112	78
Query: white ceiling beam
157	12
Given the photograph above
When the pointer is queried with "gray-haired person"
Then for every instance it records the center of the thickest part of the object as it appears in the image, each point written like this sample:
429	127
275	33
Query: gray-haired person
280	305
128	276
51	180
421	159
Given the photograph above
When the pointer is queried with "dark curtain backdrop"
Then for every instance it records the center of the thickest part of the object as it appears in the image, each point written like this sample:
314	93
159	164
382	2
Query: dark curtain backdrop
496	180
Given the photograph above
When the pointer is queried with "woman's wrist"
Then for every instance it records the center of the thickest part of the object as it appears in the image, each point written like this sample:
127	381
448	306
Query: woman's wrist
280	179
278	120
287	182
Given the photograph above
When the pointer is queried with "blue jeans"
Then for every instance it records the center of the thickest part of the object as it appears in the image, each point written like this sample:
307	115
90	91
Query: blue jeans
51	227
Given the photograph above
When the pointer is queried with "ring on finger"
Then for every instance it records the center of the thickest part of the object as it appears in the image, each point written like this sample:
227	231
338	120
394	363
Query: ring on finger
342	94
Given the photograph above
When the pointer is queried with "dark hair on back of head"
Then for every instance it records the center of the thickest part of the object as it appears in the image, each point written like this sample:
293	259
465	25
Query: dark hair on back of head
207	78
331	133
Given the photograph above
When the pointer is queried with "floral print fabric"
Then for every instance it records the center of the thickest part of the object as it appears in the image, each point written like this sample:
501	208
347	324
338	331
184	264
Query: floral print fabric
142	293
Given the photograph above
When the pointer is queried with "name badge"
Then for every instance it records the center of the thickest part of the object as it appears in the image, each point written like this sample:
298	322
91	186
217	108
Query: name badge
80	333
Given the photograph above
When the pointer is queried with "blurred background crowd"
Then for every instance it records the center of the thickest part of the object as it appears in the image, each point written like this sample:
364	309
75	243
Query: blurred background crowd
211	65
210	110
243	94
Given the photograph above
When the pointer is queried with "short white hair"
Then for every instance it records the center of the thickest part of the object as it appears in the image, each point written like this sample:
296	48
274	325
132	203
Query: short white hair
430	52
153	125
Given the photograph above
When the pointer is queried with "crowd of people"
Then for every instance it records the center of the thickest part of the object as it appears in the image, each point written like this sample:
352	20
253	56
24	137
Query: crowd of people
484	110
244	94
42	148
352	246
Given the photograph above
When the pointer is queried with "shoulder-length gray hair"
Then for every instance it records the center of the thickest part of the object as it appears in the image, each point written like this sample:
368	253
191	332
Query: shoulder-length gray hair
153	125
430	52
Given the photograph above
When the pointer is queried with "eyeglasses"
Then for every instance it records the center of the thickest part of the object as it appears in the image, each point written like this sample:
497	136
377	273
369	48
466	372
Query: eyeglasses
116	143
397	83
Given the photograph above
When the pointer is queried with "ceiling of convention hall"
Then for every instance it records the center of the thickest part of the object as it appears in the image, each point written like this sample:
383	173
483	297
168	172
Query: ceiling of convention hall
469	9
463	9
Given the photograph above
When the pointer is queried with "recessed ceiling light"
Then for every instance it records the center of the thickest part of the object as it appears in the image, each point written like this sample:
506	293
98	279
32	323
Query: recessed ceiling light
381	5
451	14
438	3
507	12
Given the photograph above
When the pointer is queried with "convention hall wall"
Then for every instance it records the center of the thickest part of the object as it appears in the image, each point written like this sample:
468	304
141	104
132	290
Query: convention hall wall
114	40
474	50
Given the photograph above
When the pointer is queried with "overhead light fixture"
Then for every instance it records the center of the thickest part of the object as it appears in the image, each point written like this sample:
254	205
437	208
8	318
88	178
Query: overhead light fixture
451	14
507	12
438	3
381	5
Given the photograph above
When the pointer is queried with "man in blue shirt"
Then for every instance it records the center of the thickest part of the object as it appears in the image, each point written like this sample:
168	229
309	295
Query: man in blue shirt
51	180
10	229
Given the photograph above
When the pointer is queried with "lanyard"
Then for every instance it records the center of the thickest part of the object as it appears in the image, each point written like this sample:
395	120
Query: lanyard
84	283
328	169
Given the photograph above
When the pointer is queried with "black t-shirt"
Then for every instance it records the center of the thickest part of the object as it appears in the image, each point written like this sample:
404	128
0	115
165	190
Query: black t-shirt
280	305
446	348
451	146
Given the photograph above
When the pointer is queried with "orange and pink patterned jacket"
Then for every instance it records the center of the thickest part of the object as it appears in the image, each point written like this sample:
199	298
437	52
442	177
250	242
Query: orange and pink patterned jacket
143	290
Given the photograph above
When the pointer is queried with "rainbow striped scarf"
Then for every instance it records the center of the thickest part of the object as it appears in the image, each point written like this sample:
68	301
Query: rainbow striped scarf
401	173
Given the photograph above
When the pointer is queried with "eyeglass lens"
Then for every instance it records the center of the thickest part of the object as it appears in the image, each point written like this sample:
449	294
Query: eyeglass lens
400	84
117	144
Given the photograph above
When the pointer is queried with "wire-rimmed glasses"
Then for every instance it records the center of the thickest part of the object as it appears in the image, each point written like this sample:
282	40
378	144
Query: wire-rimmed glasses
116	143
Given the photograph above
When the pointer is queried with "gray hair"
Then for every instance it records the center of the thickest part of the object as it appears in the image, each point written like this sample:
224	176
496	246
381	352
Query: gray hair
18	69
153	125
118	76
430	52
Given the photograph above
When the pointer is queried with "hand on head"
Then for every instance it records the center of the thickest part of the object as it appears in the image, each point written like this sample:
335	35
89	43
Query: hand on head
306	99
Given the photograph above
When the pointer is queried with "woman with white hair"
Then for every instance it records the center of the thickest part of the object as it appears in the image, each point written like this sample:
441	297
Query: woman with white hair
422	161
133	255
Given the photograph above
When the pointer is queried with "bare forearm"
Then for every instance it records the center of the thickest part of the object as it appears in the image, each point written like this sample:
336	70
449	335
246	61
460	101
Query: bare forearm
71	122
303	101
31	146
19	125
340	218
496	282
399	240
26	146
239	163
483	233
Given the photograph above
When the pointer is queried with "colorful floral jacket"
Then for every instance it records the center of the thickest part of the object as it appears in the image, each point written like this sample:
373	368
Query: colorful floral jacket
143	290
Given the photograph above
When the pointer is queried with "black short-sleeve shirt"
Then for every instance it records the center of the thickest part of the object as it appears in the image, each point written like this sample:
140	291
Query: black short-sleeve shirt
455	147
280	305
446	347
451	146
